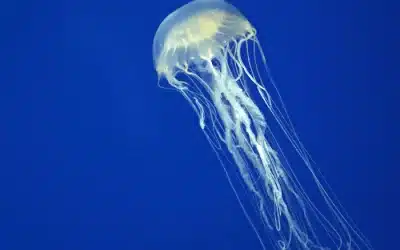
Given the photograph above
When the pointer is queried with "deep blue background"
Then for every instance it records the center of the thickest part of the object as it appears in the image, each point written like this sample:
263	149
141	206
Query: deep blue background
95	156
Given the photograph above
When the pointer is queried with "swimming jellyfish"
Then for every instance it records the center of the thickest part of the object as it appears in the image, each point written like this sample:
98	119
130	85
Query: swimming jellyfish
209	52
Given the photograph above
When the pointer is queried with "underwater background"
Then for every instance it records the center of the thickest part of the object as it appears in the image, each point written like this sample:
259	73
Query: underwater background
96	156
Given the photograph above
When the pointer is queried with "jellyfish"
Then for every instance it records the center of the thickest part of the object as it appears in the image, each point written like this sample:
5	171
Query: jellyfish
209	52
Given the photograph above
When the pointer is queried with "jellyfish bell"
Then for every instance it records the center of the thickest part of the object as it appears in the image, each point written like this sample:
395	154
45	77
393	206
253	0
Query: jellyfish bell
209	52
196	33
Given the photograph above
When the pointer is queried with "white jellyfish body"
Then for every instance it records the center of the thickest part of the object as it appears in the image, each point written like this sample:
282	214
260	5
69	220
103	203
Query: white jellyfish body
209	52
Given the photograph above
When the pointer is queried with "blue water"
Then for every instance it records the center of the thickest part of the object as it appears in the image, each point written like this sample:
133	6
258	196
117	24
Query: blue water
96	156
